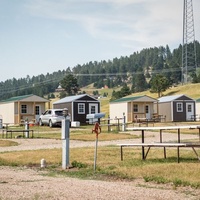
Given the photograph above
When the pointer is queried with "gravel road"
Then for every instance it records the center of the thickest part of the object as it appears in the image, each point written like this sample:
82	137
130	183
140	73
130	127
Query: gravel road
29	144
31	184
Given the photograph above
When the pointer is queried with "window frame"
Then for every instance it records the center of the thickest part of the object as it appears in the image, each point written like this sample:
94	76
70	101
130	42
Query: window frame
179	109
81	110
135	108
24	109
189	108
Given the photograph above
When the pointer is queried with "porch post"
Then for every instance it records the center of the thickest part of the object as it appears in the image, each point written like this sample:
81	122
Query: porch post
34	112
145	110
19	114
132	113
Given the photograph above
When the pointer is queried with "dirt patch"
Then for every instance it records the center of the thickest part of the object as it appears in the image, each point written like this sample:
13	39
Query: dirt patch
26	183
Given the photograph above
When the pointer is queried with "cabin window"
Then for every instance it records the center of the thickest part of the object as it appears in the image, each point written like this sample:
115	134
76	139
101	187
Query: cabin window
189	107
81	108
179	107
146	109
93	109
135	107
23	108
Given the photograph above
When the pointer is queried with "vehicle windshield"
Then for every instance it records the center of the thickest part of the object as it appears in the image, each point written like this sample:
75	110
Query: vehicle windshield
59	112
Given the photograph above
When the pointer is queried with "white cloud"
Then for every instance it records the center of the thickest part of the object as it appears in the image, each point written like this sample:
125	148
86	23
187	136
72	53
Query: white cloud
148	18
136	22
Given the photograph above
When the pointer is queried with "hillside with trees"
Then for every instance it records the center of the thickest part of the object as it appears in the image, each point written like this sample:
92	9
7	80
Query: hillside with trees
154	68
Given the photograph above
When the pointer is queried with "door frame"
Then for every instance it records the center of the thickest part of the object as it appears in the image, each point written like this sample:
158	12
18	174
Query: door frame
188	114
37	116
148	115
91	121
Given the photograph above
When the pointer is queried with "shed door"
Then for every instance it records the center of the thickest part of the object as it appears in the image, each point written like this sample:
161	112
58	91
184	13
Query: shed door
93	108
189	111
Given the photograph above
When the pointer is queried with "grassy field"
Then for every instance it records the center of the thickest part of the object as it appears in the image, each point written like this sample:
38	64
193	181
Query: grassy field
109	166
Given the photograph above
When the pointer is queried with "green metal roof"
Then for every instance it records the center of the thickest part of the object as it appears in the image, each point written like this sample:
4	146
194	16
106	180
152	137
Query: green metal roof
126	99
198	100
17	98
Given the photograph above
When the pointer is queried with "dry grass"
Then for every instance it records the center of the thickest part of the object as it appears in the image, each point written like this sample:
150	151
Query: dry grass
105	105
191	90
108	162
88	136
6	143
102	136
26	158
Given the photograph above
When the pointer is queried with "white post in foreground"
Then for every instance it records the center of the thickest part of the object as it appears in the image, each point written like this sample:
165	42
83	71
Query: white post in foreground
26	128
124	123
65	140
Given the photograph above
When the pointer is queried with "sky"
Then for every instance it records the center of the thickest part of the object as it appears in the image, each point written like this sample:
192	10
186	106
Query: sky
44	36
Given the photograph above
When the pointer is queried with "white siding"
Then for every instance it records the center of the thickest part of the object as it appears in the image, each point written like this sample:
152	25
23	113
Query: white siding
117	110
198	110
7	112
165	109
30	108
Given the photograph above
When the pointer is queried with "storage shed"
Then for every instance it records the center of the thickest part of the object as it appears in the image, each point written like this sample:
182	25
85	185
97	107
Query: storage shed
140	107
177	108
79	106
19	108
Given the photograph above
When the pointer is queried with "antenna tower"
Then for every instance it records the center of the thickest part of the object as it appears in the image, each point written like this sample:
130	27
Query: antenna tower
189	61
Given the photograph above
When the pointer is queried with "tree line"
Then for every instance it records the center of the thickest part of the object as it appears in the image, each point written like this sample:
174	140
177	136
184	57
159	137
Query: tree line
152	68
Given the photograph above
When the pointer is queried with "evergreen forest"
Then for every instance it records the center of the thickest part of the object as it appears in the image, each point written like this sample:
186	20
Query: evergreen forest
136	71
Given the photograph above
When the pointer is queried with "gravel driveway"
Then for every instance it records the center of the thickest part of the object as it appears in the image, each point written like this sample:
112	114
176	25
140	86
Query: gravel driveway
24	183
19	184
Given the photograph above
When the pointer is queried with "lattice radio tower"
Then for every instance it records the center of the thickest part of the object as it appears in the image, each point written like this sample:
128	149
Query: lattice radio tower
189	61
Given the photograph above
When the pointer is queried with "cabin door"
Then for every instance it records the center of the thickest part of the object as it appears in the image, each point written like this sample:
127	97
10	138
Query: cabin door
93	108
147	111
190	111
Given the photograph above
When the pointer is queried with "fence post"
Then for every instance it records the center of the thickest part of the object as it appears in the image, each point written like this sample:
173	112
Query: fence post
108	123
26	128
124	123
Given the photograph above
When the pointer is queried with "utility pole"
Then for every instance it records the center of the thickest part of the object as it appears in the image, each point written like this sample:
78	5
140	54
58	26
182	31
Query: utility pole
189	61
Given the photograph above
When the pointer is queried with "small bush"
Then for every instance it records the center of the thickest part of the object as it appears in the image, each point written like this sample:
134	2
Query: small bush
156	179
78	164
178	182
